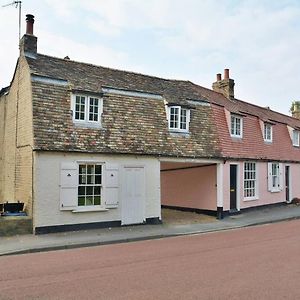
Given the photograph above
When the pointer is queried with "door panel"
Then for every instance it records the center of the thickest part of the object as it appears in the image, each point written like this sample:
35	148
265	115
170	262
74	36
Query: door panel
233	186
287	183
133	200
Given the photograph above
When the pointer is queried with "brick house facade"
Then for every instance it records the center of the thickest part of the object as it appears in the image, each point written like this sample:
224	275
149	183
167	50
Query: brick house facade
88	146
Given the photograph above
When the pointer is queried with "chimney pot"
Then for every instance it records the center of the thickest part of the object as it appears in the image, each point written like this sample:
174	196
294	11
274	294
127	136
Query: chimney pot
226	73
28	43
29	24
225	86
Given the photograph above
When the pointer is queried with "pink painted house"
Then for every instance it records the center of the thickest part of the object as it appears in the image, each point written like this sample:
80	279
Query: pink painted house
260	158
85	146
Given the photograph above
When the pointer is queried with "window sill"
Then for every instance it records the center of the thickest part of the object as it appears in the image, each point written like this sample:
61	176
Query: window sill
236	137
268	142
179	132
87	124
88	209
250	199
275	191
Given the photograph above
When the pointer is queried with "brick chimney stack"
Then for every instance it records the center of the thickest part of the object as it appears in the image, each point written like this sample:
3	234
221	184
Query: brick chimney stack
295	109
29	24
225	86
28	43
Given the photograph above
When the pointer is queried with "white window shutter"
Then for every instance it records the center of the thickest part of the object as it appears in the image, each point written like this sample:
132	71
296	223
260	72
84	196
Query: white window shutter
111	197
111	192
68	186
270	187
281	177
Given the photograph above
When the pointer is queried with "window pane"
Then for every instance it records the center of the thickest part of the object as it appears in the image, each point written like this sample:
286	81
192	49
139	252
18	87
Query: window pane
235	123
98	169
97	200
82	169
97	190
81	190
82	179
89	200
98	179
90	179
93	109
89	190
232	126
295	138
267	132
183	119
90	169
81	201
174	117
238	126
79	108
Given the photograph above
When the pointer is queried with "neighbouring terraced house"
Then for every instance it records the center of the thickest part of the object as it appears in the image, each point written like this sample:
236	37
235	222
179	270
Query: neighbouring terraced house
86	146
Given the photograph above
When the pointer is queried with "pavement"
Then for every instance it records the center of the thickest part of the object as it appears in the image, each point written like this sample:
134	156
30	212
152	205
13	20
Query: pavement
29	243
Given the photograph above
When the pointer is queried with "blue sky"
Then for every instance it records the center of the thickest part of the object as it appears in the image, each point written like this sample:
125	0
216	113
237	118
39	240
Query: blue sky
259	41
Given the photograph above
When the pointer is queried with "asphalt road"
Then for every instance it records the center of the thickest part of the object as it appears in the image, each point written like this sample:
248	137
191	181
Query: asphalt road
260	262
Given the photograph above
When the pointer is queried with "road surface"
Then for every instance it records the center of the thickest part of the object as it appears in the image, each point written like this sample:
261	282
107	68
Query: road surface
260	262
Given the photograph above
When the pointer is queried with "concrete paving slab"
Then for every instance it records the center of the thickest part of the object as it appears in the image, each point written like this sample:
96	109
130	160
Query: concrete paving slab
34	243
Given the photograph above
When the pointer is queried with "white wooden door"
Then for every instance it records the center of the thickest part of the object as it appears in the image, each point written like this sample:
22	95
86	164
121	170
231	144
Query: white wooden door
133	195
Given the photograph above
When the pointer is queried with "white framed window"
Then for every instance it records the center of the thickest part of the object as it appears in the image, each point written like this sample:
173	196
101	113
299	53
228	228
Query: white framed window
89	184
86	109
236	126
275	178
268	132
296	138
250	181
179	118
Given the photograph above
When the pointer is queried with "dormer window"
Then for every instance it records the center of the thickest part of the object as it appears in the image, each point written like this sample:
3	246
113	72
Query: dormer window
179	118
268	134
296	138
236	126
87	109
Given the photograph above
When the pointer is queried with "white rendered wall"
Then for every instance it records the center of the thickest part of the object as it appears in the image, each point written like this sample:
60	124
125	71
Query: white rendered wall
46	188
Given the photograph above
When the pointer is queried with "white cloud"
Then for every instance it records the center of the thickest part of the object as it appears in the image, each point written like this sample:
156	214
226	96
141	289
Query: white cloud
64	9
258	40
103	28
9	49
59	46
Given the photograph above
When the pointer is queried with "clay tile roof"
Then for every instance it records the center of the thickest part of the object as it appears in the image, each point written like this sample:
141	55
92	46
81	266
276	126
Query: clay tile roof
130	125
